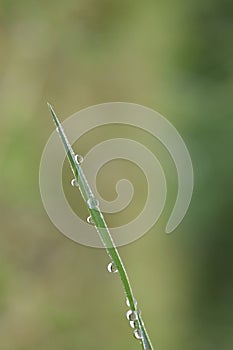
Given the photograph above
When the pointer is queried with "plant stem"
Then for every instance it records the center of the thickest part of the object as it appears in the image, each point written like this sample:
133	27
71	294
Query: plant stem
103	231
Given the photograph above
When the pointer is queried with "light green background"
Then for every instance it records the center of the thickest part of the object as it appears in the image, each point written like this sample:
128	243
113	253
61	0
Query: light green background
174	57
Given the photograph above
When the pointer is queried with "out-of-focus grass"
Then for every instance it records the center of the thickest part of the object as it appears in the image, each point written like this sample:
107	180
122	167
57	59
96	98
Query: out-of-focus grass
175	58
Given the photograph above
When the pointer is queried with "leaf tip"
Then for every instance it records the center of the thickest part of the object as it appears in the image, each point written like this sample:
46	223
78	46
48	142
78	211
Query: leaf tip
53	114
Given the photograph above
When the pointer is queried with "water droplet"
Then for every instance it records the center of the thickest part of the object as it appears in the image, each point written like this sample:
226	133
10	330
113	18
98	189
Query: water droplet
135	303
74	183
90	221
112	267
79	158
92	203
132	324
138	334
57	129
131	315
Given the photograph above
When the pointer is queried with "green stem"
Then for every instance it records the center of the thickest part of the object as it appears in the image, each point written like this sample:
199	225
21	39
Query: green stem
103	231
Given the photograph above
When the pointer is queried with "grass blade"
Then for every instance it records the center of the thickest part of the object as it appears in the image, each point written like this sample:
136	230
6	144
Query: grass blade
104	233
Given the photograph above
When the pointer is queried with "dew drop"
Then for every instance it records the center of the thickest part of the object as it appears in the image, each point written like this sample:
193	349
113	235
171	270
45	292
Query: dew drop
79	158
135	303
74	183
138	334
57	129
131	315
112	268
92	203
132	324
90	221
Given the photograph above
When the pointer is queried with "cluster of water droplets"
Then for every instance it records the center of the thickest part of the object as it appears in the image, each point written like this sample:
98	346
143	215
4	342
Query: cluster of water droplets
92	202
132	317
79	160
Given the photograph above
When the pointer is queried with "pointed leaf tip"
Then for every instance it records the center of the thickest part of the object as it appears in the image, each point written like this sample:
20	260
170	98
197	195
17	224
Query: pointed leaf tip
55	118
50	106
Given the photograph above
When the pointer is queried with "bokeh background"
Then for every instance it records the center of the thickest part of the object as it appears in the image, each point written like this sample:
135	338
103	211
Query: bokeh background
174	57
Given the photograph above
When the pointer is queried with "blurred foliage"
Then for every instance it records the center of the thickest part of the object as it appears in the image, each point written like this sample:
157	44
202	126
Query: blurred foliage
176	58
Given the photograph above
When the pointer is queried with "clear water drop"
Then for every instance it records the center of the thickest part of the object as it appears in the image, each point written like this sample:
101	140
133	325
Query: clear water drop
135	303
74	183
79	158
131	315
112	268
92	203
57	129
90	221
132	324
138	334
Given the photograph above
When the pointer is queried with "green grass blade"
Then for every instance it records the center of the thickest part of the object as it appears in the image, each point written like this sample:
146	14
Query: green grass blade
102	229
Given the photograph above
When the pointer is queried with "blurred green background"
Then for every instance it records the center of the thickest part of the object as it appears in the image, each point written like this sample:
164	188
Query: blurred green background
174	57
